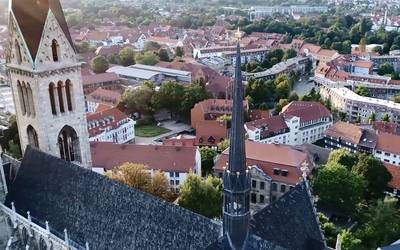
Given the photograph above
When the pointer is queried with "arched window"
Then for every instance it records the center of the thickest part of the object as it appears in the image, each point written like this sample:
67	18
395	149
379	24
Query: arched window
18	52
52	99
30	99
68	144
55	50
68	92
60	97
21	98
32	137
25	98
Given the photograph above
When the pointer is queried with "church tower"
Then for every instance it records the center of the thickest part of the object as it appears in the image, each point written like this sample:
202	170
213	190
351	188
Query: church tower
46	81
236	176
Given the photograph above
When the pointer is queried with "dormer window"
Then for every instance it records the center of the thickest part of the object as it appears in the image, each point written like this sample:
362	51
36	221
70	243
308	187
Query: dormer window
55	49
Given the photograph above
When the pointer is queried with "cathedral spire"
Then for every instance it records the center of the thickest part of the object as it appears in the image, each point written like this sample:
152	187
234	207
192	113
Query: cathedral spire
236	176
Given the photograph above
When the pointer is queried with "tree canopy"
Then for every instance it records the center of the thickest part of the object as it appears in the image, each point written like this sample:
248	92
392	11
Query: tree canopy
202	196
207	160
375	174
127	56
147	58
140	99
339	188
99	64
138	176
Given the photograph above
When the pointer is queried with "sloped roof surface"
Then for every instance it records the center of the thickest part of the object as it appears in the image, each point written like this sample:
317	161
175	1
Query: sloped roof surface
103	212
290	221
31	17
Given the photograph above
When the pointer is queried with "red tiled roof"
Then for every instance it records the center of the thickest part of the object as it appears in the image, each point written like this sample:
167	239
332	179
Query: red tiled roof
107	118
185	142
344	130
327	52
98	78
270	156
165	158
307	111
388	143
210	133
395	172
363	64
218	105
385	127
257	114
104	96
273	124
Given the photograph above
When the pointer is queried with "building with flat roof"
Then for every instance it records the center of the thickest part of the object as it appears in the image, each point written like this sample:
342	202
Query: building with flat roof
139	73
167	73
359	107
134	75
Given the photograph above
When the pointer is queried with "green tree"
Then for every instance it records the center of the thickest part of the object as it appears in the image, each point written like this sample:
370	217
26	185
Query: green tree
193	94
378	49
84	47
342	157
99	64
386	118
140	99
363	91
381	226
179	52
375	174
127	56
290	53
151	46
330	230
170	97
260	91
9	140
385	69
362	45
339	188
147	58
222	146
163	55
372	117
293	97
207	160
202	196
279	106
396	98
283	90
349	241
137	176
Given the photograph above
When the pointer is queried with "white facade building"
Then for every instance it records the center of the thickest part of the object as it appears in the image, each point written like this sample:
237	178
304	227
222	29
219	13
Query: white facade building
354	106
111	125
298	123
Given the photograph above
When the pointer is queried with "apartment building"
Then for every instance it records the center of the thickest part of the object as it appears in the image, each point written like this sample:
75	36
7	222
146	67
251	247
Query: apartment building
358	107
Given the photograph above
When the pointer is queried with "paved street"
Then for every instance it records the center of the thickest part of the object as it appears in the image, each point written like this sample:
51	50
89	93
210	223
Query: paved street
171	125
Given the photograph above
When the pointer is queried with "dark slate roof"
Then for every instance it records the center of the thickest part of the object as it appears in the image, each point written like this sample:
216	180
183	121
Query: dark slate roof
253	242
103	212
31	17
290	222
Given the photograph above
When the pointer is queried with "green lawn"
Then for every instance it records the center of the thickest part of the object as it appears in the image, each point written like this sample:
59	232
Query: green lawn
150	130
